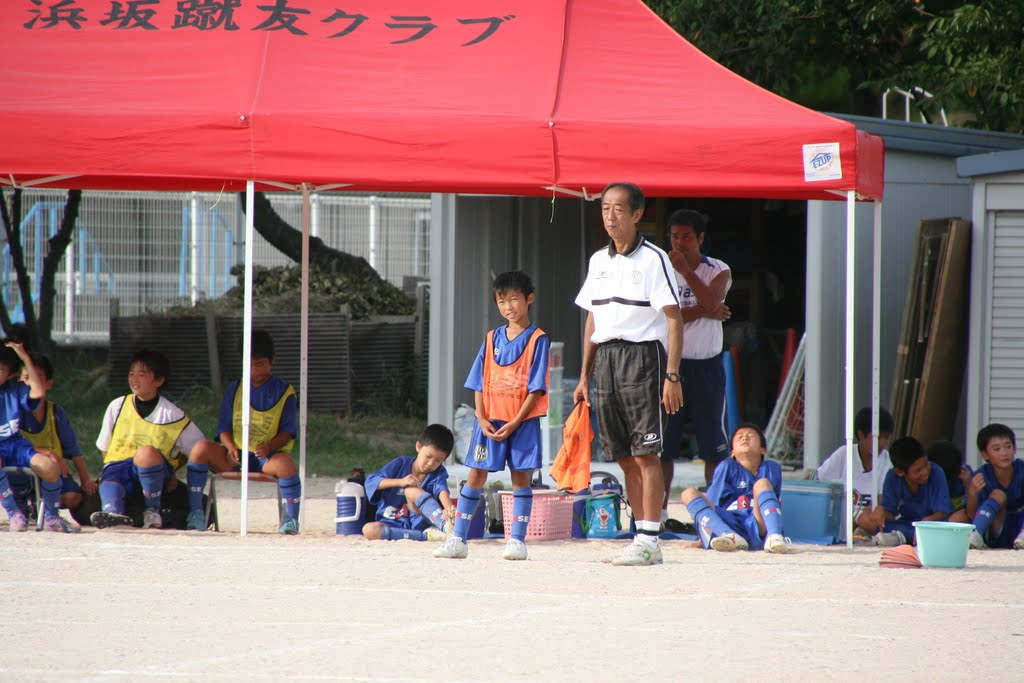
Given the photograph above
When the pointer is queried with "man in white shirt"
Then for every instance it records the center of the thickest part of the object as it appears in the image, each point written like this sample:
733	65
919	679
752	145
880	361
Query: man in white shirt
632	315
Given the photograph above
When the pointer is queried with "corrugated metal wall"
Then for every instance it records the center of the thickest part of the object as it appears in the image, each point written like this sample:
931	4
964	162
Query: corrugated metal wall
1006	353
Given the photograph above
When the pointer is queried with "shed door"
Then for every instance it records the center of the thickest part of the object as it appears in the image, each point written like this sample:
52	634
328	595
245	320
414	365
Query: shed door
1006	368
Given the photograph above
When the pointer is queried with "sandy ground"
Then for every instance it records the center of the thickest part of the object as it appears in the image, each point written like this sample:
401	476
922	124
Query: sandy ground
133	605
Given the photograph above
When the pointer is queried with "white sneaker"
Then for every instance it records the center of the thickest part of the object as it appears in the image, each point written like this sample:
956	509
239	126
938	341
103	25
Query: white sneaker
454	548
638	555
776	543
729	542
435	535
978	543
1018	543
72	523
889	539
514	550
151	519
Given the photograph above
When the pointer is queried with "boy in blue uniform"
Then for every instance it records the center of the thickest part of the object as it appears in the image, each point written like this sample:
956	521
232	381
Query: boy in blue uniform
741	509
274	419
950	458
995	494
411	493
17	397
510	382
48	428
144	439
914	491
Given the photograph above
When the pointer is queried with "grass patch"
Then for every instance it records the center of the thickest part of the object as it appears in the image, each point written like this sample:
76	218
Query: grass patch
334	445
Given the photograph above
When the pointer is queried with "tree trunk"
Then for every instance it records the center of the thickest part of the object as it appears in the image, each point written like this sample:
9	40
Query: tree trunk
58	246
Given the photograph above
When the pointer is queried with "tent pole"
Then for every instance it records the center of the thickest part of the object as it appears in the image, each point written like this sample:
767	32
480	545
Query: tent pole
304	351
851	261
876	347
194	250
246	354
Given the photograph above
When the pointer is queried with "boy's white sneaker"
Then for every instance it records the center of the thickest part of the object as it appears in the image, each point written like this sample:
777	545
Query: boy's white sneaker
729	542
514	550
454	549
978	543
151	519
776	543
435	535
889	539
638	555
1018	543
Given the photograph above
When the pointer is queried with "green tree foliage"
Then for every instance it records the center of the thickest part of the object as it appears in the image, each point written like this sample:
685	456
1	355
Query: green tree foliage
840	56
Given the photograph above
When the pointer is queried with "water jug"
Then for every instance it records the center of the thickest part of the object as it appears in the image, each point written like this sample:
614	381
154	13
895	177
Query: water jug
351	505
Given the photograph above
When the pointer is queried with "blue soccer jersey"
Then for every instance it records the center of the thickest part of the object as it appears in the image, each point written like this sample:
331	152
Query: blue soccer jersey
65	432
262	398
506	352
931	497
1014	492
14	400
392	507
732	487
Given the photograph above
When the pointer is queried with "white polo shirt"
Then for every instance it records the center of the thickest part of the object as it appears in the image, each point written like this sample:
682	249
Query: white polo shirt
703	336
626	292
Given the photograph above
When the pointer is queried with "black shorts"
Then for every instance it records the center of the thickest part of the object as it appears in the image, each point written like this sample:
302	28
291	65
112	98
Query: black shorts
628	381
704	401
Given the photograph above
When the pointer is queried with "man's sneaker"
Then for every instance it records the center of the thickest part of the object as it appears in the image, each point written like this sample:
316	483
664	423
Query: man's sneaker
454	549
151	519
19	522
978	543
889	539
196	521
289	526
435	535
638	555
514	550
68	518
729	542
1018	543
60	525
102	520
776	543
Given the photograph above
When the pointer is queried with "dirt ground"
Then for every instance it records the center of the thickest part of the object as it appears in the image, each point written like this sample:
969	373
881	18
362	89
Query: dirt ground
133	605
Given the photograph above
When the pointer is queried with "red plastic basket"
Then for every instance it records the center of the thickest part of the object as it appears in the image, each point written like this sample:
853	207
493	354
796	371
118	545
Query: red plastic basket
550	519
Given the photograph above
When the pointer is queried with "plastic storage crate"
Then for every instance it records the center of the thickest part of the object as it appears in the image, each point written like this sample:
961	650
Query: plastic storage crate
550	519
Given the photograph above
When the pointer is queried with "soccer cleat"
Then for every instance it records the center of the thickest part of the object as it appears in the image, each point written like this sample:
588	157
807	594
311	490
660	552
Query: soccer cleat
102	520
514	550
435	535
196	521
776	543
151	519
889	539
60	525
729	542
978	543
289	526
73	526
19	522
454	549
638	555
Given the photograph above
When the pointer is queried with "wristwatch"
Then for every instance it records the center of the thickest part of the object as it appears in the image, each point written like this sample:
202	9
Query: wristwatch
672	376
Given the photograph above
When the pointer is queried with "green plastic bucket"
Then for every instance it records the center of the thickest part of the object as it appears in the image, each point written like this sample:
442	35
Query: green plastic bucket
943	544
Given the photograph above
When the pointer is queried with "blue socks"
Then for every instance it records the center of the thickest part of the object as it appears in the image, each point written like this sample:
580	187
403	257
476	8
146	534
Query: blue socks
291	492
986	514
196	478
152	479
431	509
469	499
522	506
7	496
391	533
768	503
112	496
51	497
708	523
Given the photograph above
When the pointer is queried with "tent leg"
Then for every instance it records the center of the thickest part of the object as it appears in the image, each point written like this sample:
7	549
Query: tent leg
304	351
876	345
246	354
851	262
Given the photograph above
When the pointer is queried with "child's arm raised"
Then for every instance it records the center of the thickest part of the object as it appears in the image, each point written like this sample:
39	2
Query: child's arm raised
36	386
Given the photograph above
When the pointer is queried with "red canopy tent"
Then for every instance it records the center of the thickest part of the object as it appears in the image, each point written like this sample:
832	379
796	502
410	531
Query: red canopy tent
520	97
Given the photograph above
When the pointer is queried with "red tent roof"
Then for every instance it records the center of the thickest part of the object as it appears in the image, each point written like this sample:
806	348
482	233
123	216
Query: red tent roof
487	96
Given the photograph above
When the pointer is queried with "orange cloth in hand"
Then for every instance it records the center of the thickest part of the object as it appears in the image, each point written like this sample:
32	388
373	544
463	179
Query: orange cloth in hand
571	468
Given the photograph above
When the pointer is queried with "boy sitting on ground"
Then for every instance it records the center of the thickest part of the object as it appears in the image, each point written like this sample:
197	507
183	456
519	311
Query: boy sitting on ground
411	493
144	439
866	517
274	419
914	491
995	495
946	455
17	397
741	509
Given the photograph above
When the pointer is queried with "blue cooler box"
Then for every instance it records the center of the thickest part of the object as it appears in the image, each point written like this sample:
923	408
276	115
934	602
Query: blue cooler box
811	510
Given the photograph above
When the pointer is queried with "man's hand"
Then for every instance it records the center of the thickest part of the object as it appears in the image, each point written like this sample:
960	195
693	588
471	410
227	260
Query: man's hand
672	396
721	313
582	391
678	260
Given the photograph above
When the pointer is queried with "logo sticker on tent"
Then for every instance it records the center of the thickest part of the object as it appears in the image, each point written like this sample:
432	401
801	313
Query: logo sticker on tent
822	162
